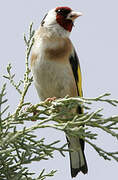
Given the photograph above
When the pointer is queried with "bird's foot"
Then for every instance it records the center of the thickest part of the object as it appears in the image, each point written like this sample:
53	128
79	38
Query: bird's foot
50	99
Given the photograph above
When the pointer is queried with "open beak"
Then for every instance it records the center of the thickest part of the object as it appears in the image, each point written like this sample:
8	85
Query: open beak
73	15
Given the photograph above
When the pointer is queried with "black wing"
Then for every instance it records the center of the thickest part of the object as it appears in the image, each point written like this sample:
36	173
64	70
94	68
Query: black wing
74	61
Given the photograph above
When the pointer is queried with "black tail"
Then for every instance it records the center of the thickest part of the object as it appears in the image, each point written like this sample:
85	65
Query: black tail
77	158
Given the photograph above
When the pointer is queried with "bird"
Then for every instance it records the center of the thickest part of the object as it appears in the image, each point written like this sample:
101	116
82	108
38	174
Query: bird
56	70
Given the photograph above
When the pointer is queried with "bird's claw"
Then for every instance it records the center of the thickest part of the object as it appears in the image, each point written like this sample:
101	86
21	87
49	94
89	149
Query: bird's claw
50	99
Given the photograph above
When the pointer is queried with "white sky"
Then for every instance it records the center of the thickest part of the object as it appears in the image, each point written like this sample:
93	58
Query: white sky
95	37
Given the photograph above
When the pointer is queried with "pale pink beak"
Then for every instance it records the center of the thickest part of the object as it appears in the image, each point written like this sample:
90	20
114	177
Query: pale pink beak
73	15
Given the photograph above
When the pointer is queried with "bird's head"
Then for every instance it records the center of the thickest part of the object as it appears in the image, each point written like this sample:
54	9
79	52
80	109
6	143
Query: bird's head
60	19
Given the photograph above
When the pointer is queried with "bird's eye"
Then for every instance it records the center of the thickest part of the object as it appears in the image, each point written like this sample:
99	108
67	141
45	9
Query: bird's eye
59	10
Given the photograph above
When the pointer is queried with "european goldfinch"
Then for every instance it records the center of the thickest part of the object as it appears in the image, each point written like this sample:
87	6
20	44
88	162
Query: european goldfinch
56	70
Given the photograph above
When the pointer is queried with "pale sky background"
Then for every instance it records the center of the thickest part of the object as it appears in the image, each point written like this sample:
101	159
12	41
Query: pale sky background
95	38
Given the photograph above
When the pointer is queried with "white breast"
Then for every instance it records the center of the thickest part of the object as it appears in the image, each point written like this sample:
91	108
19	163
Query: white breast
52	79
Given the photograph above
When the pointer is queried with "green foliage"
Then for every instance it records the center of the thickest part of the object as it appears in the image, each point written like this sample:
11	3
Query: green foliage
19	147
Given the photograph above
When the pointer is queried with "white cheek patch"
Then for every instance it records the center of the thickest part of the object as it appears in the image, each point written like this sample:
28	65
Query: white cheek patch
50	18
